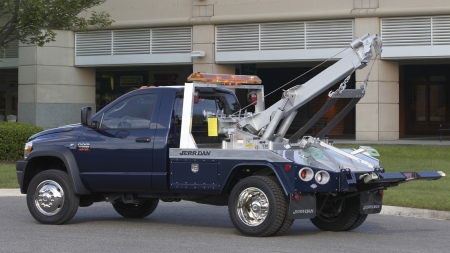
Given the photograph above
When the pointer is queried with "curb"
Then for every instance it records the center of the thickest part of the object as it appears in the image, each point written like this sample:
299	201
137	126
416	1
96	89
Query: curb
10	192
386	210
415	212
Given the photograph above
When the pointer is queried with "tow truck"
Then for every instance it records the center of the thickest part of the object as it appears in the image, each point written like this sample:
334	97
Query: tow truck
195	143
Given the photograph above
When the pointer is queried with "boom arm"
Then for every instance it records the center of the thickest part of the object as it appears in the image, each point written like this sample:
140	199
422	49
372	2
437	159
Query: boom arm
299	95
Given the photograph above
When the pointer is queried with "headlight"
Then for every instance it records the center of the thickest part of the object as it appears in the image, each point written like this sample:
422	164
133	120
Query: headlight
28	148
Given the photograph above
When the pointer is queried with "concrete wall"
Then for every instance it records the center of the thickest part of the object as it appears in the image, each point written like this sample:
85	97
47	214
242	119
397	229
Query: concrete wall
377	114
51	90
156	13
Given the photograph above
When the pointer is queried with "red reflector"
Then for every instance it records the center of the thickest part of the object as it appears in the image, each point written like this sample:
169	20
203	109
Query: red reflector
297	197
253	98
303	174
408	175
381	193
287	167
196	98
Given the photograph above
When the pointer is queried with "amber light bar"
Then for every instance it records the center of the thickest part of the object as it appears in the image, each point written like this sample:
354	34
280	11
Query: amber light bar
225	79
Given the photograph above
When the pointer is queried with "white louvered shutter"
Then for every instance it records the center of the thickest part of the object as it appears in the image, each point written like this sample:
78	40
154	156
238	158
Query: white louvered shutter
237	38
329	34
283	36
441	30
131	42
13	50
171	40
93	43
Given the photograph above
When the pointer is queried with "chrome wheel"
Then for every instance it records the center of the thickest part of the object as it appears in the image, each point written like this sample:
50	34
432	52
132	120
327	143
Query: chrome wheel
49	198
252	206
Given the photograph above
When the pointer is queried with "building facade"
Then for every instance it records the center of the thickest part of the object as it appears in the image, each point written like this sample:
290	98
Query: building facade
161	42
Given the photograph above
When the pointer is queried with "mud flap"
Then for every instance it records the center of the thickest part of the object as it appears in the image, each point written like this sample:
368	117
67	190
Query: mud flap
371	202
303	207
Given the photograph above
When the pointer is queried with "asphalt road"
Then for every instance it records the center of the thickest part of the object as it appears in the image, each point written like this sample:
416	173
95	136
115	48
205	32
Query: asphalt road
190	227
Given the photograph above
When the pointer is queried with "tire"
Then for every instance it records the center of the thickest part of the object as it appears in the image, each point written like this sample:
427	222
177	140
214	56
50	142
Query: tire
258	206
140	210
51	198
359	221
345	219
287	223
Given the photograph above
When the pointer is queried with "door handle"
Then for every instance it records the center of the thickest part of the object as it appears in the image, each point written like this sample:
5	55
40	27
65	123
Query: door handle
143	139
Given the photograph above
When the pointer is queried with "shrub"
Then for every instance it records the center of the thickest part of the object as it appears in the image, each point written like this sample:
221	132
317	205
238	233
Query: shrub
13	137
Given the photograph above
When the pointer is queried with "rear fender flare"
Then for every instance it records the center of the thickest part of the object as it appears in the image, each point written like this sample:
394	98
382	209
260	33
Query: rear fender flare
281	178
68	159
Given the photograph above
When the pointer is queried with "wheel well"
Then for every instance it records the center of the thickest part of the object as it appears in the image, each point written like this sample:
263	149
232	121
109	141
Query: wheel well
244	171
39	164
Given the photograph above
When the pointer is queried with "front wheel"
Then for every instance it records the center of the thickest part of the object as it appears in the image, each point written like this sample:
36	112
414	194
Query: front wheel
257	206
138	210
51	199
340	215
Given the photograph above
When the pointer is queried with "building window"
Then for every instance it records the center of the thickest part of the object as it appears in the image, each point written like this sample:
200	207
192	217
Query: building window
428	102
8	93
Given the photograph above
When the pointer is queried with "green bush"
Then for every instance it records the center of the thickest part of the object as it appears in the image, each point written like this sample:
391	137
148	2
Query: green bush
13	137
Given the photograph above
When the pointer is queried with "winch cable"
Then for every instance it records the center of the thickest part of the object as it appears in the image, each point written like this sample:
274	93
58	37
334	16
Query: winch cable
298	77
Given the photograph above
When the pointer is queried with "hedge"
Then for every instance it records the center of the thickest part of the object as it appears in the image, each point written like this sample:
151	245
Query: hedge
13	136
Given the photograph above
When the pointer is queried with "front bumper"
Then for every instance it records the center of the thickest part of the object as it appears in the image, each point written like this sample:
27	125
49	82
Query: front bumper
20	172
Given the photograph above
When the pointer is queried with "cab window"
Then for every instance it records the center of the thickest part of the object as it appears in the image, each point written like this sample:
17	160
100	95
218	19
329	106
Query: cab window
133	112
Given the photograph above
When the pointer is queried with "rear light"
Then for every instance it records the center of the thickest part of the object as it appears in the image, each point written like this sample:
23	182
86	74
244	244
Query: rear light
297	196
287	167
322	177
306	174
381	193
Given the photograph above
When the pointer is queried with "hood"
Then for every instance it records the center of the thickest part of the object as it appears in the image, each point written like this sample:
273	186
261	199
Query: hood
61	129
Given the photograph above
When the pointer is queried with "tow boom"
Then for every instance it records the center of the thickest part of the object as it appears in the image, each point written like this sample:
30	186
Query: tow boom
297	96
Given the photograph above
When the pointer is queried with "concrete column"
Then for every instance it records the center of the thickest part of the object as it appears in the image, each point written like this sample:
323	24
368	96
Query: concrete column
52	90
204	40
377	114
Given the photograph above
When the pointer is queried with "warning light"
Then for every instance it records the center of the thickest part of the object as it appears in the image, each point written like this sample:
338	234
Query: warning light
297	197
381	193
287	167
225	79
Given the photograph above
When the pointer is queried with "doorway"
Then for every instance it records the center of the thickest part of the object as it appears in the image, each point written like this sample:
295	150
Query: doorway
427	103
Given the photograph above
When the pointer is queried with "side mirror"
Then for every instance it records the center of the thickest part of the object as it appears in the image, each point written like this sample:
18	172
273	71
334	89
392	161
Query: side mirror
86	116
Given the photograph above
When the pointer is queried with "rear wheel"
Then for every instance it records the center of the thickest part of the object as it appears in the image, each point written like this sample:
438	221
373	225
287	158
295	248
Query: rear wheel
340	215
138	210
257	206
51	199
287	223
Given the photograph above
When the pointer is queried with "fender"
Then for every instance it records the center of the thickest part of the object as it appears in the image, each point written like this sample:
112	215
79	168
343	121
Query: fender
69	160
282	178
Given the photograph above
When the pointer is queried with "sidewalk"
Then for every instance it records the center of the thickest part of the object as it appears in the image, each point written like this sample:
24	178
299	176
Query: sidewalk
387	210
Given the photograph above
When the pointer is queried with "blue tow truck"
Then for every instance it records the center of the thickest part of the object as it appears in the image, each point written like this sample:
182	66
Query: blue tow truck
196	143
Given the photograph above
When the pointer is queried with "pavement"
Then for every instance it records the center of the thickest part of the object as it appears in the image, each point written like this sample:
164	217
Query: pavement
386	210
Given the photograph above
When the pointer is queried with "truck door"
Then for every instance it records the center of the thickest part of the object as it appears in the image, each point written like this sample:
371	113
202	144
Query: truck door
118	156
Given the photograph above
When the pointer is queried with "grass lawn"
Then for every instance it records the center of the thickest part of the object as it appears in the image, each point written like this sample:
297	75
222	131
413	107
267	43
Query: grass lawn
421	194
8	177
